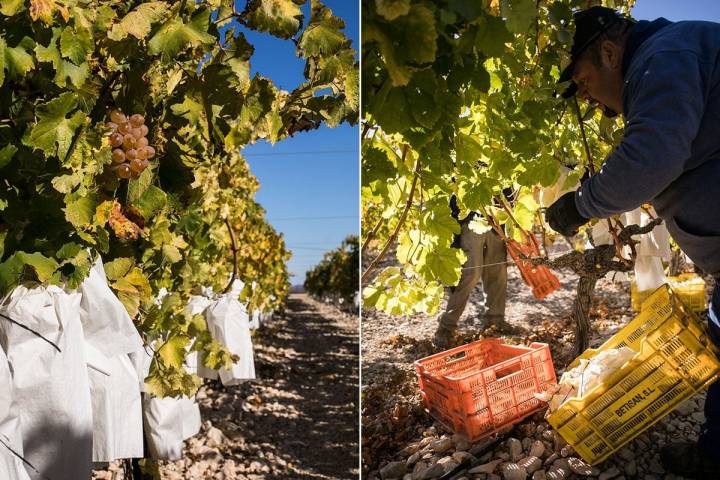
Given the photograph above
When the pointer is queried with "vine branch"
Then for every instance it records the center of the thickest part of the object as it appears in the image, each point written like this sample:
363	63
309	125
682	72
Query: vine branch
371	236
597	262
234	251
591	167
366	128
590	266
588	155
494	225
400	223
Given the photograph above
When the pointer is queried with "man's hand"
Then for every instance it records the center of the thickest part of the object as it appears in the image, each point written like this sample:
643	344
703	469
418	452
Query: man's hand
563	215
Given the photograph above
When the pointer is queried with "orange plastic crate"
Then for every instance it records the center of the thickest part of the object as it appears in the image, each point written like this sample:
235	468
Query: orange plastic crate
542	281
482	387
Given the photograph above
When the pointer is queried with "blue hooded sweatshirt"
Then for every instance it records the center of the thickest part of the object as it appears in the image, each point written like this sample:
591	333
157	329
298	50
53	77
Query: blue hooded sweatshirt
670	152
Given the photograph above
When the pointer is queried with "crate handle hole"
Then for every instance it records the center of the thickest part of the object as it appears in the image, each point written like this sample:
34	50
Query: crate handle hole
455	356
507	371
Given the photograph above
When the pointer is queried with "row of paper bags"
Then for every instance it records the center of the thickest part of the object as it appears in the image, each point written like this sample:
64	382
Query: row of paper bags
73	367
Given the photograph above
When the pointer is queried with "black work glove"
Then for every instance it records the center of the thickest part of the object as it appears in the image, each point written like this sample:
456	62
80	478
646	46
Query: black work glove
563	215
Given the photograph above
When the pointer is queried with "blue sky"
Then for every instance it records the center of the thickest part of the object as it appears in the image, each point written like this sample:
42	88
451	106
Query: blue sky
677	10
300	190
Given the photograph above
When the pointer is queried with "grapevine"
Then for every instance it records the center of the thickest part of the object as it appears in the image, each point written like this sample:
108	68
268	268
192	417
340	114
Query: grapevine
121	128
336	276
590	266
467	91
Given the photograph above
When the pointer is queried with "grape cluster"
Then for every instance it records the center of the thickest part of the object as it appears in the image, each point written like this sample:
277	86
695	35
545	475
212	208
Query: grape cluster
128	138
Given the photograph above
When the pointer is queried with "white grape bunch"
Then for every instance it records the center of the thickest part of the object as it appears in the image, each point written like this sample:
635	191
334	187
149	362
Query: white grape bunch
131	150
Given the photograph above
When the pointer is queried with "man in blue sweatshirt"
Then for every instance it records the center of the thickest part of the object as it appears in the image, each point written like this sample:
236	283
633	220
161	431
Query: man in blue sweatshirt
664	78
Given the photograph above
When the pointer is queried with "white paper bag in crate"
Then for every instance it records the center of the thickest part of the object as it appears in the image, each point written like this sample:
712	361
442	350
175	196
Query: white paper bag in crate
51	386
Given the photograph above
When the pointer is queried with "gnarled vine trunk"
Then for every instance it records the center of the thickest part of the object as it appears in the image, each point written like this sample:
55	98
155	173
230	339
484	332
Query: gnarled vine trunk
581	312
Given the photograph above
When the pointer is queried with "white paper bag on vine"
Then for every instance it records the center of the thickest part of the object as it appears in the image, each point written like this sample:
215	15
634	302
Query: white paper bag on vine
168	422
654	246
655	243
51	381
228	324
117	407
110	336
106	323
649	273
227	320
196	306
254	321
11	448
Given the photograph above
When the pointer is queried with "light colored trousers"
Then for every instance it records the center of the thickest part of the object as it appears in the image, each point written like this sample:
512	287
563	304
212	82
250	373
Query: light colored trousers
486	261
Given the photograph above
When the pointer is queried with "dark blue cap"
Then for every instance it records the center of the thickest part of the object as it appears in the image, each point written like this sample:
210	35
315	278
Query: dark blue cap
589	25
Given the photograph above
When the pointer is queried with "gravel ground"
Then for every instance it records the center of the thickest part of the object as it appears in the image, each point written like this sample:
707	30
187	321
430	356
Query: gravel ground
298	420
400	440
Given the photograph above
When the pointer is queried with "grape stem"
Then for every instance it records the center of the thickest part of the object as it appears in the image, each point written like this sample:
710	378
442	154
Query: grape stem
234	251
395	232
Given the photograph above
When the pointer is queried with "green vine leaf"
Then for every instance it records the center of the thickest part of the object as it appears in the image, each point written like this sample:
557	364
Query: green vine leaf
520	14
323	34
6	154
139	21
151	201
10	8
79	210
76	44
410	40
53	132
281	18
16	61
391	9
173	351
64	70
22	265
175	35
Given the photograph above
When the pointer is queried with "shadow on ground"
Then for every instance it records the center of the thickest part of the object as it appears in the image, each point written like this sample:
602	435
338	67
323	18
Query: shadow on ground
299	419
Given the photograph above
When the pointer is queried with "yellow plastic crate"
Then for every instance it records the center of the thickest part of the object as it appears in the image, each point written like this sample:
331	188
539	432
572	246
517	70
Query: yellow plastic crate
688	286
675	359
